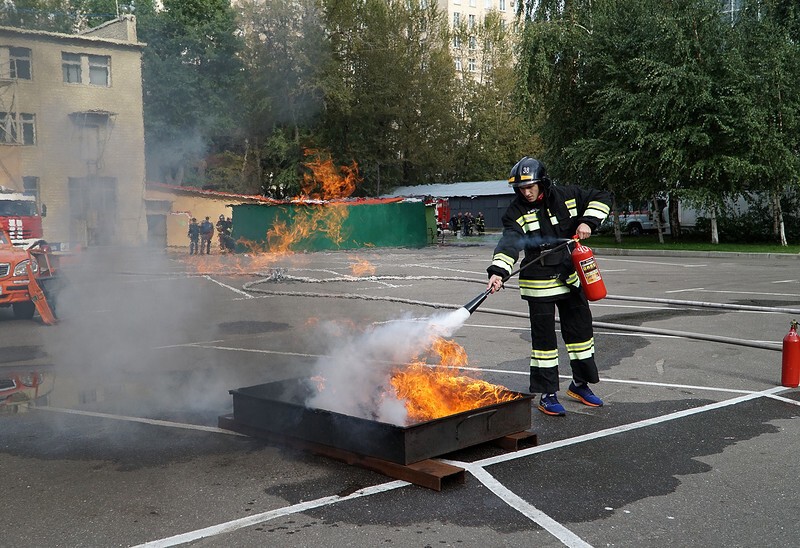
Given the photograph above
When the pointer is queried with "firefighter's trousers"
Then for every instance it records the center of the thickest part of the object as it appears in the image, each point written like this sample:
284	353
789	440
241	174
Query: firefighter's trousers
576	330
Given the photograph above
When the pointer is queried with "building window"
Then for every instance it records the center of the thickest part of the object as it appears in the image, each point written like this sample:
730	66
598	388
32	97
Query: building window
459	68
473	43
456	41
502	5
74	65
30	187
98	70
19	63
471	22
473	3
472	66
456	19
71	67
19	129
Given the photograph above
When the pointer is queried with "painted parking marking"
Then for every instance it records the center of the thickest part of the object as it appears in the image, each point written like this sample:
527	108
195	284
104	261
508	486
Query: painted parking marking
567	537
241	523
684	265
563	534
728	292
627	427
154	422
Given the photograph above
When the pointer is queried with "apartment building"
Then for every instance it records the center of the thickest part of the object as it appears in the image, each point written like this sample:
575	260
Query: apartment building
469	15
71	130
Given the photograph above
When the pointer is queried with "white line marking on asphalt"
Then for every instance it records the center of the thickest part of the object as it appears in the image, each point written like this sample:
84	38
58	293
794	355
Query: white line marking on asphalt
784	400
255	350
618	381
226	286
784	282
625	428
476	468
735	292
154	422
608	258
685	290
567	537
241	523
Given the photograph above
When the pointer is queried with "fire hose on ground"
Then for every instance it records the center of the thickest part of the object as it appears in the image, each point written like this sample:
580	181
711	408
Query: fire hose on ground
277	276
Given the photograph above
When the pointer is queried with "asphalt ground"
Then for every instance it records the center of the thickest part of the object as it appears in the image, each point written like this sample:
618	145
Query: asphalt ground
696	444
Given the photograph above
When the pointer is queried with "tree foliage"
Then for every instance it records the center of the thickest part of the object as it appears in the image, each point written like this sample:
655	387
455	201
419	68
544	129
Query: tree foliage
191	69
652	98
644	97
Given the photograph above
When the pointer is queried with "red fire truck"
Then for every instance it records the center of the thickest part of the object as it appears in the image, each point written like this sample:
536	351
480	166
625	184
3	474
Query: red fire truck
20	217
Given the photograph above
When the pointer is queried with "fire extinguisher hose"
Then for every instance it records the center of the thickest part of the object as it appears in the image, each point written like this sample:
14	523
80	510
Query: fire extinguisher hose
472	305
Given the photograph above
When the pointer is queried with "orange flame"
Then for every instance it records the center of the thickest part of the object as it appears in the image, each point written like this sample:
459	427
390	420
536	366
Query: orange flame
434	392
362	267
326	181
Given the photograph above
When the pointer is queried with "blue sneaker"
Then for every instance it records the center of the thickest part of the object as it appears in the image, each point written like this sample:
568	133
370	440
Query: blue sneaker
549	405
584	395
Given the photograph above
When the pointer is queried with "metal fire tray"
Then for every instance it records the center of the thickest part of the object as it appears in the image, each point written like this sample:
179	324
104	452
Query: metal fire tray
279	408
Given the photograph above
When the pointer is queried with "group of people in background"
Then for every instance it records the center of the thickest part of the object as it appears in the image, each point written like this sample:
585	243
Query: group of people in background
466	224
201	234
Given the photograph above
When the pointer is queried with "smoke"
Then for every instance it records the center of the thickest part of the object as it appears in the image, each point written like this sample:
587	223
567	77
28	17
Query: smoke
355	375
117	308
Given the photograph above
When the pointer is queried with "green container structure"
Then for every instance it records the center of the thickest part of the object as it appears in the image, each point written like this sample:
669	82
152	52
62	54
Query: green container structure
319	226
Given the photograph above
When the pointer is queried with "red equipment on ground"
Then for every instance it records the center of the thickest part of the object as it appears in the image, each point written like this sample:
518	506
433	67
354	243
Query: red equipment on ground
790	370
588	272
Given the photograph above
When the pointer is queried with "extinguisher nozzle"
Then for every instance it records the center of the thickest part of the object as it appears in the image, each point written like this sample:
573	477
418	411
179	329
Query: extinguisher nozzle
477	301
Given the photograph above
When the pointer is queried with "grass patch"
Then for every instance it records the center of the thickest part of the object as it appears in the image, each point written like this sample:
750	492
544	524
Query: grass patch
650	241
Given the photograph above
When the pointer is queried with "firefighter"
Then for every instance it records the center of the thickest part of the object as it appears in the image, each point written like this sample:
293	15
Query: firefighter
466	224
480	224
222	232
206	233
540	215
455	223
194	237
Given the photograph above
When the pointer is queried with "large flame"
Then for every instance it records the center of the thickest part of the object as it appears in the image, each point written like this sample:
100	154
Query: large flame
327	181
434	392
324	181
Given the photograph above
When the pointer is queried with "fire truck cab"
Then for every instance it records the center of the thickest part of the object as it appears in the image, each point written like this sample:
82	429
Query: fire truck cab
16	290
20	217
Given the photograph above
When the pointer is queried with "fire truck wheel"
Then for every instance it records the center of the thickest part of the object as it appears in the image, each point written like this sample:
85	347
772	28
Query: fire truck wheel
24	311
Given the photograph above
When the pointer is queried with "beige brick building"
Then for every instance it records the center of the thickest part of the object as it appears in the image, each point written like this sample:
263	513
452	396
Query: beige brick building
71	130
469	15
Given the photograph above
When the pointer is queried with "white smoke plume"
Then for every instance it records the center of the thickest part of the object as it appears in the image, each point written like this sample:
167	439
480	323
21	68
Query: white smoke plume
357	371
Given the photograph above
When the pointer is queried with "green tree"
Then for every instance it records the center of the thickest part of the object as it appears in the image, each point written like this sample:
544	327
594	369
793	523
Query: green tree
285	50
67	16
191	71
389	91
493	132
765	53
644	83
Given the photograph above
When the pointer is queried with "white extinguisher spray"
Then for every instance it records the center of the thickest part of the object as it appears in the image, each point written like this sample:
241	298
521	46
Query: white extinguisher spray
588	272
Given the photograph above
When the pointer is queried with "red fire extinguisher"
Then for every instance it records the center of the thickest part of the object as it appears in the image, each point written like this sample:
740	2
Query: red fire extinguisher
790	371
588	272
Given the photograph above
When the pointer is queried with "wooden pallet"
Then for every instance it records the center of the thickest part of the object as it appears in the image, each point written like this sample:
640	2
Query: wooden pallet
429	473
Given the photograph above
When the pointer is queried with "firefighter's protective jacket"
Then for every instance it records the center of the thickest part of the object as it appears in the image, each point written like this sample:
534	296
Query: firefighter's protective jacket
536	227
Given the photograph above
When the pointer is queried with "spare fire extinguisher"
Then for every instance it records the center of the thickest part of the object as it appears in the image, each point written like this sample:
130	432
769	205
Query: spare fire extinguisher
790	370
588	272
